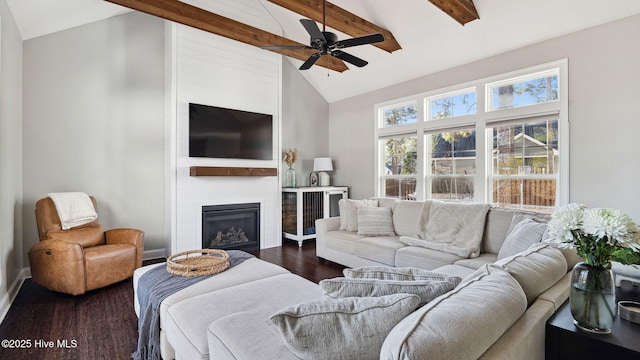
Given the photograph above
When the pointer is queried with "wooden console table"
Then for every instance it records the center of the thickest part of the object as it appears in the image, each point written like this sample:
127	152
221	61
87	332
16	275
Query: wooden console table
302	206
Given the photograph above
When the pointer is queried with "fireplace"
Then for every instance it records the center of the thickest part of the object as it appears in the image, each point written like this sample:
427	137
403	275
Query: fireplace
231	227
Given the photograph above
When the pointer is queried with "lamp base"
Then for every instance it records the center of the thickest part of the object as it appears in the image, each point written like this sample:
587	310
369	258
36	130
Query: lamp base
324	179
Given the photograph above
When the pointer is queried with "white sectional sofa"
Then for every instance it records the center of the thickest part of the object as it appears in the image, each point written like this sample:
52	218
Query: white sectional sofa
499	310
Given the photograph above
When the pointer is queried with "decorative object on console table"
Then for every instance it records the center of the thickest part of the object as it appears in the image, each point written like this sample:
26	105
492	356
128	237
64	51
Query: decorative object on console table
321	165
313	179
290	158
600	236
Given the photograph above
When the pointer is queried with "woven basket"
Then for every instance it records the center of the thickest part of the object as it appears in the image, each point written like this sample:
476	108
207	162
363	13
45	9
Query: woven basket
198	262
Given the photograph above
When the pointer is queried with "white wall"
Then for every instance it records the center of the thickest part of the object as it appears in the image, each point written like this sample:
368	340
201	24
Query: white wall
93	122
11	247
305	118
217	71
603	91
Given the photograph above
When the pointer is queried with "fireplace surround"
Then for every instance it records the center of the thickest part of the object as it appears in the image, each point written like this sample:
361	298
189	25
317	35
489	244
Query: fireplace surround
231	226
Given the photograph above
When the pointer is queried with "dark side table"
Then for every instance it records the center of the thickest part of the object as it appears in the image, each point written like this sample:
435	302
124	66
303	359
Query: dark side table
565	341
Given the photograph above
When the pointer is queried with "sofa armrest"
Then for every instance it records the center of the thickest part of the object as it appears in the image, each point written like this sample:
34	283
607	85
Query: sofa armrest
323	226
58	265
127	236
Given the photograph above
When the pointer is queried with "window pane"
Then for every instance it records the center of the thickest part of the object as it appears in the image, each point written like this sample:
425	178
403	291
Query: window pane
450	106
453	153
399	115
404	188
452	188
400	155
526	148
525	192
523	92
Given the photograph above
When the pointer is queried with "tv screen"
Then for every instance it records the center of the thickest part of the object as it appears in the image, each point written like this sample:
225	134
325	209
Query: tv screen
216	132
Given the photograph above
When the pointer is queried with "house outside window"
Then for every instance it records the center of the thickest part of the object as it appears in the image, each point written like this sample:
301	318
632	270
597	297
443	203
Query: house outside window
502	140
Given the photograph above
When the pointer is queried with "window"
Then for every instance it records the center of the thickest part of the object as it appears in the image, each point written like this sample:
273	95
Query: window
524	163
452	163
523	91
399	167
506	143
450	105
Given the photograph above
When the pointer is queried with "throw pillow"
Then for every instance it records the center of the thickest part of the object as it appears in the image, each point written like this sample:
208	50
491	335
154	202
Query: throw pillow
349	215
349	328
523	232
426	289
393	273
375	221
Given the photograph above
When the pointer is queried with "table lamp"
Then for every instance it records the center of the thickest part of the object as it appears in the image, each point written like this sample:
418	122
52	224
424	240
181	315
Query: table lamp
321	166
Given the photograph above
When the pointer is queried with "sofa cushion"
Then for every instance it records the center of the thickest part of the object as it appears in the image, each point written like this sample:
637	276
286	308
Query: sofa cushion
343	241
477	263
375	221
349	212
415	256
347	328
523	232
495	229
460	271
227	338
426	289
395	273
406	217
536	269
461	324
381	249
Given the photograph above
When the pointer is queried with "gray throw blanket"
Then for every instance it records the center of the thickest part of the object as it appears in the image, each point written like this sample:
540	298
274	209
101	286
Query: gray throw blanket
155	286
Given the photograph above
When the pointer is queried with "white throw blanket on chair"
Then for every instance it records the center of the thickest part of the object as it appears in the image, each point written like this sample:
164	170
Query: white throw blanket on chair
74	208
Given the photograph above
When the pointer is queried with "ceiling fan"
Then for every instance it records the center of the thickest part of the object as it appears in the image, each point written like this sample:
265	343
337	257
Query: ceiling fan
327	43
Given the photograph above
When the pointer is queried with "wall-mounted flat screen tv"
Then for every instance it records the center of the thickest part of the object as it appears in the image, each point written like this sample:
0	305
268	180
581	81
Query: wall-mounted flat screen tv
216	132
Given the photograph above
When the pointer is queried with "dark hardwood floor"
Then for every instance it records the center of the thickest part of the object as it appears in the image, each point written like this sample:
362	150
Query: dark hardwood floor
102	324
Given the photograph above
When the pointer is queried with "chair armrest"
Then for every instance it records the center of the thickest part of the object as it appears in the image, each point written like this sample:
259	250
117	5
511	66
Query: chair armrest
58	265
322	227
127	236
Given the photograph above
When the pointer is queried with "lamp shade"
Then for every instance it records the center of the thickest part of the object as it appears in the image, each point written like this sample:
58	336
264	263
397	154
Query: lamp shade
322	164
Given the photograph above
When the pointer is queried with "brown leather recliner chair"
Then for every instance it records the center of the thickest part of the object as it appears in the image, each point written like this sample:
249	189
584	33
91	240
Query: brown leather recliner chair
82	258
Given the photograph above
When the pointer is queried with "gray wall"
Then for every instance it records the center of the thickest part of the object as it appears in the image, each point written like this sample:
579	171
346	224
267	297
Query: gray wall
11	248
305	116
603	115
94	121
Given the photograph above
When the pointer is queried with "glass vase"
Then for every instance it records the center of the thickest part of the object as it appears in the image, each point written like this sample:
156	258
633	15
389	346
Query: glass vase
592	298
290	178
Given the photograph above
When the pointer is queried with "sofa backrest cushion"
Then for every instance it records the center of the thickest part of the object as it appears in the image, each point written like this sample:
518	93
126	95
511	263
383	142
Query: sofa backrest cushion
461	324
386	202
536	269
495	229
524	232
333	329
407	216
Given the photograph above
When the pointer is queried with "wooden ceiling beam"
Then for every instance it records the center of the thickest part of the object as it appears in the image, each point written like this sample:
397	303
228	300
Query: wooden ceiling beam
340	19
462	11
198	18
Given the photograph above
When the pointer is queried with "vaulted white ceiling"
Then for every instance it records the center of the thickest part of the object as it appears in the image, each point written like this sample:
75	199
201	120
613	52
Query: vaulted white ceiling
431	40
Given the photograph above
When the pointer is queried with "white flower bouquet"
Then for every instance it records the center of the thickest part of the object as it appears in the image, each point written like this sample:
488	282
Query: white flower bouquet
599	235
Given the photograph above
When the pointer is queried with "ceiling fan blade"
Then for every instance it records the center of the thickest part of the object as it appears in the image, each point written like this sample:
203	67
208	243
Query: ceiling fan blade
313	29
310	61
349	58
362	40
275	47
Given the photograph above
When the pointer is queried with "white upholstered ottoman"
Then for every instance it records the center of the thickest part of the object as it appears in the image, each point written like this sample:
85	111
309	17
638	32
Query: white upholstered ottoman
249	270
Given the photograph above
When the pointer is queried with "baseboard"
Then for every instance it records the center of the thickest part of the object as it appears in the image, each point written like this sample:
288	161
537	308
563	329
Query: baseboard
10	296
154	254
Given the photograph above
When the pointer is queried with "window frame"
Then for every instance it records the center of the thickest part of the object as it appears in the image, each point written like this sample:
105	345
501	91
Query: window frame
482	121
